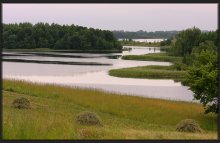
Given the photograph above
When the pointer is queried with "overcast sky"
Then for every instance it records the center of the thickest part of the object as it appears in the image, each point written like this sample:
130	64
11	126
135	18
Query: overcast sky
128	17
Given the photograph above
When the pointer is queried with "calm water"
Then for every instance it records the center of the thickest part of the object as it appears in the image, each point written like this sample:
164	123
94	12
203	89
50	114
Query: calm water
95	76
137	50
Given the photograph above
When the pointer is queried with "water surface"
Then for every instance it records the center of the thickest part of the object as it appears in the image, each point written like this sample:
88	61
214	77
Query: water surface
95	76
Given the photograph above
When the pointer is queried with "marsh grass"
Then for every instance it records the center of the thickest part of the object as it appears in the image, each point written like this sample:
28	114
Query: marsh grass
54	109
153	57
149	72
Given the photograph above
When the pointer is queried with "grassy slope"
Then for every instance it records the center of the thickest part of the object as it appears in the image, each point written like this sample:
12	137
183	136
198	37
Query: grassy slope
54	110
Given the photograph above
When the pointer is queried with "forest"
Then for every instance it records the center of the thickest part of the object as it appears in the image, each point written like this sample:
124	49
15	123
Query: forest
199	51
144	34
55	36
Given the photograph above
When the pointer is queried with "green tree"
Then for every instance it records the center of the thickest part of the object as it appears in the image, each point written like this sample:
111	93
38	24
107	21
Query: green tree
185	41
202	78
54	36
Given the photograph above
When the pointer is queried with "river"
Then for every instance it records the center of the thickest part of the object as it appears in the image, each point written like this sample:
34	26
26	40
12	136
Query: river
90	70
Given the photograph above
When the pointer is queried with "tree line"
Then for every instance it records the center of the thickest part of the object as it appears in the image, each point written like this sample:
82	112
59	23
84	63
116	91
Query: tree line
144	34
199	52
55	36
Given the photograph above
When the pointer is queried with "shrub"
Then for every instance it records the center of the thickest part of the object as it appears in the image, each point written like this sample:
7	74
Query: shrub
21	103
88	118
188	125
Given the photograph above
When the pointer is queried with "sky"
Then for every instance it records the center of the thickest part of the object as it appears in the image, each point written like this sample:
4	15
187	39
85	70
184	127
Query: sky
128	17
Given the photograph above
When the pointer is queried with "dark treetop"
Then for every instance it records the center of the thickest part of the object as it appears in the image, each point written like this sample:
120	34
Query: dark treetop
54	36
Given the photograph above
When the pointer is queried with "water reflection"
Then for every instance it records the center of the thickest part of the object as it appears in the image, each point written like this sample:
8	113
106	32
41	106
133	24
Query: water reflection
95	76
137	50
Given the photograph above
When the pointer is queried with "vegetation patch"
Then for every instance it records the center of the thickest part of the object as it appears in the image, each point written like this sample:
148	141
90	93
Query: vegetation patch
57	37
150	72
88	118
188	125
21	103
153	57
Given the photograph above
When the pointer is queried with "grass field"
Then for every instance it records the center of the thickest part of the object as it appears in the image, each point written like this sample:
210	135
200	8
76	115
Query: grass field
54	109
149	72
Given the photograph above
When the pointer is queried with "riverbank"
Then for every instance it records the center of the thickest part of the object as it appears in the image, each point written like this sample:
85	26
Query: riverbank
54	109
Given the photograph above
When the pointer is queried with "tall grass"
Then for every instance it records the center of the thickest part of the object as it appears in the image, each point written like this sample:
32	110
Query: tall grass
152	57
54	109
149	72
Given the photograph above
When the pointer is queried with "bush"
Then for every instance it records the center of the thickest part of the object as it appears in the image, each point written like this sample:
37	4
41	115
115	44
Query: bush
88	118
21	103
180	66
188	125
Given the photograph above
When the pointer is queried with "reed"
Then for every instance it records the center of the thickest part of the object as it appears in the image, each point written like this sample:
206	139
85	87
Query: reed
149	72
152	57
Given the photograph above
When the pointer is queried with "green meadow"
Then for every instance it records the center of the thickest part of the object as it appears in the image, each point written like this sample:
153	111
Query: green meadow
54	108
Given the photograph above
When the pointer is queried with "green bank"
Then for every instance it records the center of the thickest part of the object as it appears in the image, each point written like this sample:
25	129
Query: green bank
54	109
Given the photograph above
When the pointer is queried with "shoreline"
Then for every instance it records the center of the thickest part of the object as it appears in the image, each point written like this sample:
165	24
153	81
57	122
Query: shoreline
98	87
